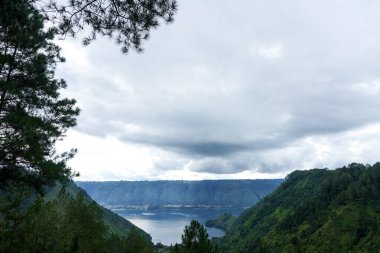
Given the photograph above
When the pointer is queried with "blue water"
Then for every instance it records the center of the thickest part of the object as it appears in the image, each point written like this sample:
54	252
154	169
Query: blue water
166	225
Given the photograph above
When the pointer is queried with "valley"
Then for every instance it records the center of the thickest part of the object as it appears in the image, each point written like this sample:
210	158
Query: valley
163	208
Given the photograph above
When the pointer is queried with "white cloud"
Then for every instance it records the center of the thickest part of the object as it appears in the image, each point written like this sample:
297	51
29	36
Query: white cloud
371	88
202	102
109	159
273	52
76	58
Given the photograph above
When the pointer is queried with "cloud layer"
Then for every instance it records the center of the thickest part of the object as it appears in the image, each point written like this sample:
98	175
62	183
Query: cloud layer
236	87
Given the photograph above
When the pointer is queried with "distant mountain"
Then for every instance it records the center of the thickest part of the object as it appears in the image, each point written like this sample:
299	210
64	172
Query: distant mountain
318	210
236	193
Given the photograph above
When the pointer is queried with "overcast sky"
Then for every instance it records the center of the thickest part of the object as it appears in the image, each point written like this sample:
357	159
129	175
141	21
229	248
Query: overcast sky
231	89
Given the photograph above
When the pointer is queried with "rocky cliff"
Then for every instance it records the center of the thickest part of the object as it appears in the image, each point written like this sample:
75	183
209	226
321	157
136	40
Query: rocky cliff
236	193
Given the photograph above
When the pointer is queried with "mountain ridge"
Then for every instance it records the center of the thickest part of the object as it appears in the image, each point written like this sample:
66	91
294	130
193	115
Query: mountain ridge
241	193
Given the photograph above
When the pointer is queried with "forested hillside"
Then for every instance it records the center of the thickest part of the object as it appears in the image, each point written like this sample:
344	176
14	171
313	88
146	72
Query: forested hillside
318	210
65	220
242	193
114	222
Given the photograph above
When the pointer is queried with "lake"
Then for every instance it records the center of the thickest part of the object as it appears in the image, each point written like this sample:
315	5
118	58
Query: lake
166	225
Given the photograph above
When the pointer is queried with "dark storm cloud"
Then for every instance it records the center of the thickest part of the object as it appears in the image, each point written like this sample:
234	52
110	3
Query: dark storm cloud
219	166
192	147
195	147
205	148
235	86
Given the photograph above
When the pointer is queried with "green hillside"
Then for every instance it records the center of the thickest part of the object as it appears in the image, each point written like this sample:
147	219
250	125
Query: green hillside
317	210
223	221
115	223
65	219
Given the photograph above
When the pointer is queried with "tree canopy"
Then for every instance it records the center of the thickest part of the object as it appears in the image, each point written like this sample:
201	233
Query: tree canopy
33	114
318	210
67	223
128	22
194	239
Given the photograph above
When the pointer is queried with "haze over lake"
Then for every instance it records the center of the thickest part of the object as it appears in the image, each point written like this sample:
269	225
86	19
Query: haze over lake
166	225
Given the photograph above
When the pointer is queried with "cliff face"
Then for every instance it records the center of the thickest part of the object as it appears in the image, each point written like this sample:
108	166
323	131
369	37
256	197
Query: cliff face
236	193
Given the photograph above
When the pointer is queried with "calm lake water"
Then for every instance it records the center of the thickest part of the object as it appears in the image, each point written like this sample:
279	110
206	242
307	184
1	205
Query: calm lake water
166	226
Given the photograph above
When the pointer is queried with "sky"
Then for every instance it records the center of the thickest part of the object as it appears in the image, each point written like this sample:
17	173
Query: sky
230	90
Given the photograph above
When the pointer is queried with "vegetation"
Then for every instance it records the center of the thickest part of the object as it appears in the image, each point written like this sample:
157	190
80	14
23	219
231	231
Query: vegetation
33	115
194	240
312	211
127	22
224	221
115	223
65	224
318	210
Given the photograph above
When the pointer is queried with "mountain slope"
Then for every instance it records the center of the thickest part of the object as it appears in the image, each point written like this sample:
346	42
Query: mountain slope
318	210
115	223
241	193
65	219
223	221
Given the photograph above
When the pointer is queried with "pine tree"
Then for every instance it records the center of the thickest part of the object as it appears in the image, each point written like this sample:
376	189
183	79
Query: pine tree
33	114
127	22
194	240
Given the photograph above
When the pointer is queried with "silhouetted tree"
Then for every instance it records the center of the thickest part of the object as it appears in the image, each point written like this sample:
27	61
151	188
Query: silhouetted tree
127	22
194	240
33	114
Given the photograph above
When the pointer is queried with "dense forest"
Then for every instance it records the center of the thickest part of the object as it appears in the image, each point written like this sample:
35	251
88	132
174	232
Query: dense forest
223	221
64	220
318	210
115	223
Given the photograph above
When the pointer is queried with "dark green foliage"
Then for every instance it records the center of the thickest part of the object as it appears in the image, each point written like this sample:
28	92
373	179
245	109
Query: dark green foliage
127	22
33	115
115	223
65	224
194	240
223	221
318	210
13	217
134	242
82	225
